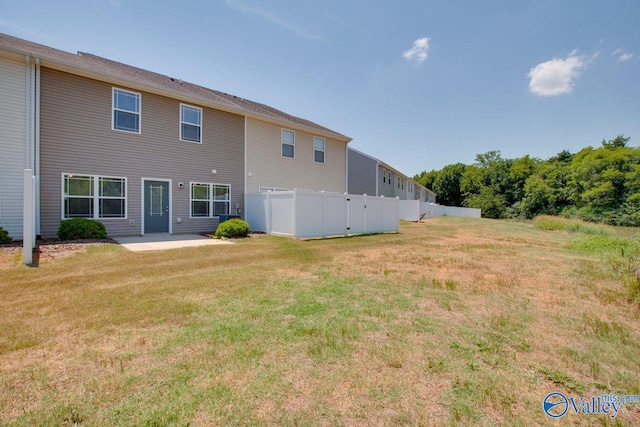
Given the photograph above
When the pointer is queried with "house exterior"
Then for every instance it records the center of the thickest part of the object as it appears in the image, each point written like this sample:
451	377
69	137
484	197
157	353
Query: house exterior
368	175
143	152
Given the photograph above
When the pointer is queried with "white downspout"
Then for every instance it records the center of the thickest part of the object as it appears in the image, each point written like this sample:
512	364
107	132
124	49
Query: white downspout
36	170
377	179
346	161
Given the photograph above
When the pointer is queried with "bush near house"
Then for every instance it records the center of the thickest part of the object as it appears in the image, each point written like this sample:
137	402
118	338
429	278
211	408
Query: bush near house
81	228
4	237
232	228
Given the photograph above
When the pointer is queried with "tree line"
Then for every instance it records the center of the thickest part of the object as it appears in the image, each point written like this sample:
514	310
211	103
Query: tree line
595	184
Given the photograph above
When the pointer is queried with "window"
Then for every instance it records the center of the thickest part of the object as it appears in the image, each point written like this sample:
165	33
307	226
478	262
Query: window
190	123
90	196
318	150
288	142
384	175
126	110
209	200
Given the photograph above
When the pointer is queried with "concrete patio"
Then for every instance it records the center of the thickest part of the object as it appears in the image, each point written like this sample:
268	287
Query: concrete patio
163	241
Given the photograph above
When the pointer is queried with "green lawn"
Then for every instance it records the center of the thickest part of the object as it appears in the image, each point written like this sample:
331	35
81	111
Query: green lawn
451	322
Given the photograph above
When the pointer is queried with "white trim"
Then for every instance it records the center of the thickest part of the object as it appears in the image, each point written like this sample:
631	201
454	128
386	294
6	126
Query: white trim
113	109
142	181
211	199
293	145
190	124
271	189
324	150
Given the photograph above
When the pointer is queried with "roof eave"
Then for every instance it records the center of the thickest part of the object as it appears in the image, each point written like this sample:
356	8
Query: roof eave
135	84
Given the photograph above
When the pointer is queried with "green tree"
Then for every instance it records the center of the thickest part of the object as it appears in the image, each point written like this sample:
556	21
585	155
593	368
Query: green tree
447	184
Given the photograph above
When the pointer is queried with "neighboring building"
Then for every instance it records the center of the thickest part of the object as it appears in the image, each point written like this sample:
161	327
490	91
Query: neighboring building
18	87
143	152
307	157
368	175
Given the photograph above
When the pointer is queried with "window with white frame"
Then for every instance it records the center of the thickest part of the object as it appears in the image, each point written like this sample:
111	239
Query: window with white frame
318	149
209	200
288	139
190	123
384	176
92	196
126	110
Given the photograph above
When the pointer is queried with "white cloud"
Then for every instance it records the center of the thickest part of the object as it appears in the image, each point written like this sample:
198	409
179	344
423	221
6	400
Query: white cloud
418	51
274	19
557	77
622	55
625	57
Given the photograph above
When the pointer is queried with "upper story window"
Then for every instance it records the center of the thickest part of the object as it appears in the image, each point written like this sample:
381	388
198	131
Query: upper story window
91	196
288	139
126	110
318	150
384	175
190	123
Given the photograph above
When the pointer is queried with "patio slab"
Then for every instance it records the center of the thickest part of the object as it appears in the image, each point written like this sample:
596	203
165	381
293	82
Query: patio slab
163	241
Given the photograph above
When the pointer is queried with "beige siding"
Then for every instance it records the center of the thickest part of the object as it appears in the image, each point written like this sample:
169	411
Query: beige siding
76	137
13	116
269	169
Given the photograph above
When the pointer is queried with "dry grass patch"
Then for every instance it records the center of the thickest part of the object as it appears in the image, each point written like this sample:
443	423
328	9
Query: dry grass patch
453	321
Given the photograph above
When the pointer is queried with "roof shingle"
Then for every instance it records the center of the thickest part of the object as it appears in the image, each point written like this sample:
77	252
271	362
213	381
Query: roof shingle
106	67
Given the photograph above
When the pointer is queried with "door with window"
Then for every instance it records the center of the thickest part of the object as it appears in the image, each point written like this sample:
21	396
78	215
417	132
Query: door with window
156	207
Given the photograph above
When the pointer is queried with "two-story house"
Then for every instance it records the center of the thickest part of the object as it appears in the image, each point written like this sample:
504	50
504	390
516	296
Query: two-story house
371	176
144	152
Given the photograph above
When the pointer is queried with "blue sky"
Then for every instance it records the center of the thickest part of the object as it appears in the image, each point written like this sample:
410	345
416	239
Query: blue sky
418	84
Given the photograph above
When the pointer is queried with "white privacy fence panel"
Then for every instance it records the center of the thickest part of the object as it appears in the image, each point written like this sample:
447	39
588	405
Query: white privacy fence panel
303	214
409	210
357	214
431	210
281	213
320	214
256	211
389	215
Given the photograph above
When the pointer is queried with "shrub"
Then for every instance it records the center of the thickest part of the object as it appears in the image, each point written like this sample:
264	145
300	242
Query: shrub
232	228
4	237
81	228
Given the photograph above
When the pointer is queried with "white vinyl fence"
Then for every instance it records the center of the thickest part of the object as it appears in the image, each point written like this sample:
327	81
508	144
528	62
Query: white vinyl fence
303	214
431	210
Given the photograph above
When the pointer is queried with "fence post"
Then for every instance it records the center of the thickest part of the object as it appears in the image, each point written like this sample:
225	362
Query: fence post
268	212
364	201
347	201
397	220
28	217
324	212
295	215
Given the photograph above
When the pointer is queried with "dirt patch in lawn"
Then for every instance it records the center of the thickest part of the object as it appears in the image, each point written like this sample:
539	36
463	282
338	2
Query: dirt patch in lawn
47	250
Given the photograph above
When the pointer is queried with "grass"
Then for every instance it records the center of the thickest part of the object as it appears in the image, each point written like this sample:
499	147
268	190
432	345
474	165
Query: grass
451	322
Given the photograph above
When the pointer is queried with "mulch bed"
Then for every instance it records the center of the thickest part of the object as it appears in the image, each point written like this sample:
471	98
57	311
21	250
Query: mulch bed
53	248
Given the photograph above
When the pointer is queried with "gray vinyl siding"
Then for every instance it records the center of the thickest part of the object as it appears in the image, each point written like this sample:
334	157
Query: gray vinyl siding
386	187
13	116
362	174
76	137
